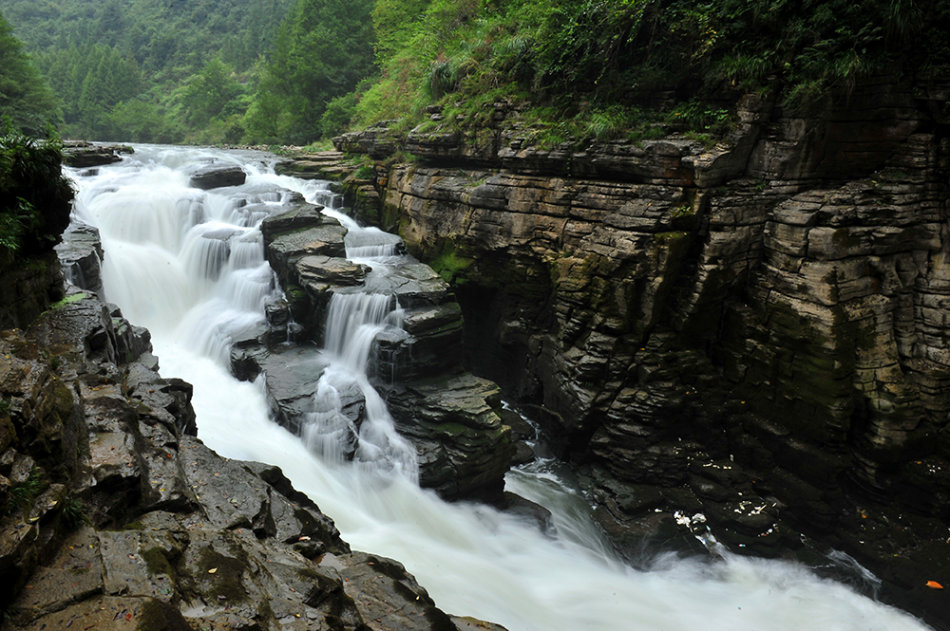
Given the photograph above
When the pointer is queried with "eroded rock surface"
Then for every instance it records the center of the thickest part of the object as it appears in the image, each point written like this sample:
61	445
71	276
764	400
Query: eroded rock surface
81	154
775	301
117	517
418	365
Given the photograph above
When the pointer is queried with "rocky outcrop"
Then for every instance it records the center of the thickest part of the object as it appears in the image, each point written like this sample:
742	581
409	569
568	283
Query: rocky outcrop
449	415
751	331
216	176
116	516
356	182
28	289
81	154
80	255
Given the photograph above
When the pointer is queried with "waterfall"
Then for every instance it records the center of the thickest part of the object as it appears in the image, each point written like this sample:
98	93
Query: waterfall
189	265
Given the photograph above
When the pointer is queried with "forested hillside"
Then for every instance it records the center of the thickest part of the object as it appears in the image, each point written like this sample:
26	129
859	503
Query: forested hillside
293	71
160	70
598	68
26	100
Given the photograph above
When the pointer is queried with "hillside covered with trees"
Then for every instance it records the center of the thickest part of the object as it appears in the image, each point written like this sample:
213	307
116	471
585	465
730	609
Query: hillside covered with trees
295	71
149	70
26	101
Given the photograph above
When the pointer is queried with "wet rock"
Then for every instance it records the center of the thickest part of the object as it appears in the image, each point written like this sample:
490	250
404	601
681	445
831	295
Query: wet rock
464	449
775	300
319	273
123	519
300	216
429	343
529	511
81	256
217	176
29	287
81	154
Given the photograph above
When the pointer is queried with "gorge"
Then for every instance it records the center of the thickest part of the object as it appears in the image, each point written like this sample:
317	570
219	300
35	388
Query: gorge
207	297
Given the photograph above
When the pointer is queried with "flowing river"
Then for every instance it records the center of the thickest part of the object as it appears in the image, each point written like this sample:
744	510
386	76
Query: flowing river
189	265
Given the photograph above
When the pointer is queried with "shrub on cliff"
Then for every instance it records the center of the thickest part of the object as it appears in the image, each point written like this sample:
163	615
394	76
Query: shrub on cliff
34	196
624	59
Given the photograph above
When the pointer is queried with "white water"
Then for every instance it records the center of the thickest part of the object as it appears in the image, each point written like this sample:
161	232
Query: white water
164	269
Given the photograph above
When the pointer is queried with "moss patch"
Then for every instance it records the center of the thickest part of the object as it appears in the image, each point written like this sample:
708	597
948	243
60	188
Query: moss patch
68	300
450	265
224	574
157	562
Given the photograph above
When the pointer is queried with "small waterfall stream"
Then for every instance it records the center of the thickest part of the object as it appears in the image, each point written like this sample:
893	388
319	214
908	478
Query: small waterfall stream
189	265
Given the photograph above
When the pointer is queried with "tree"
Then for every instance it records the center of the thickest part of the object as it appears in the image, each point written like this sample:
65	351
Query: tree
25	97
211	93
323	49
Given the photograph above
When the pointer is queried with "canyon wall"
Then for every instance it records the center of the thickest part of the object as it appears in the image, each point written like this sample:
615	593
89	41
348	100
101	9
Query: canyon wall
755	330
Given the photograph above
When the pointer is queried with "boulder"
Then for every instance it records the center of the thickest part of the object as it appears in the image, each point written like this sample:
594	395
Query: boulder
80	154
464	449
217	176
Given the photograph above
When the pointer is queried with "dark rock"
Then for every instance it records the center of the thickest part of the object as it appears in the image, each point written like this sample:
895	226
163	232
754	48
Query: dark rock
301	216
464	450
217	176
133	521
80	254
80	154
529	511
775	301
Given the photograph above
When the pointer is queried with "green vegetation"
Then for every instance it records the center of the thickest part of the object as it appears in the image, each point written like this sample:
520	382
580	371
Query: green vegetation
450	265
323	48
21	495
296	71
34	196
68	300
596	69
135	70
26	100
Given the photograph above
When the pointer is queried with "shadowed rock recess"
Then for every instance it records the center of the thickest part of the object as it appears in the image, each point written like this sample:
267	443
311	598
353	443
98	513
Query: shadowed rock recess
756	331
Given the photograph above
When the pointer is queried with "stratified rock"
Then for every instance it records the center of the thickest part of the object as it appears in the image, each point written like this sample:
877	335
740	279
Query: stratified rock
776	300
81	256
216	176
464	449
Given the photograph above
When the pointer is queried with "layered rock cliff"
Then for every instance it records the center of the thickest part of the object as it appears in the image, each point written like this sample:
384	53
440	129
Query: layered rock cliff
755	330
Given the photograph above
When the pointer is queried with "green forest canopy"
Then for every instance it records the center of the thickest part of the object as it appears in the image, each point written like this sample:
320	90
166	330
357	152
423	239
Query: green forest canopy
122	68
25	97
279	71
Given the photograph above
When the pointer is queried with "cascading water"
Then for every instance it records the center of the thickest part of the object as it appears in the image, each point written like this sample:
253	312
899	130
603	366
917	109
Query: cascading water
189	265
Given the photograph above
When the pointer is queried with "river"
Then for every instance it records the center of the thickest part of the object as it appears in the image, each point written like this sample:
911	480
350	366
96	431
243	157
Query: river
169	268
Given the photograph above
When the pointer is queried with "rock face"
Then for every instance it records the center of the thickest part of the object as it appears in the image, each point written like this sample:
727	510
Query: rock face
216	176
116	516
450	416
776	302
81	154
80	255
